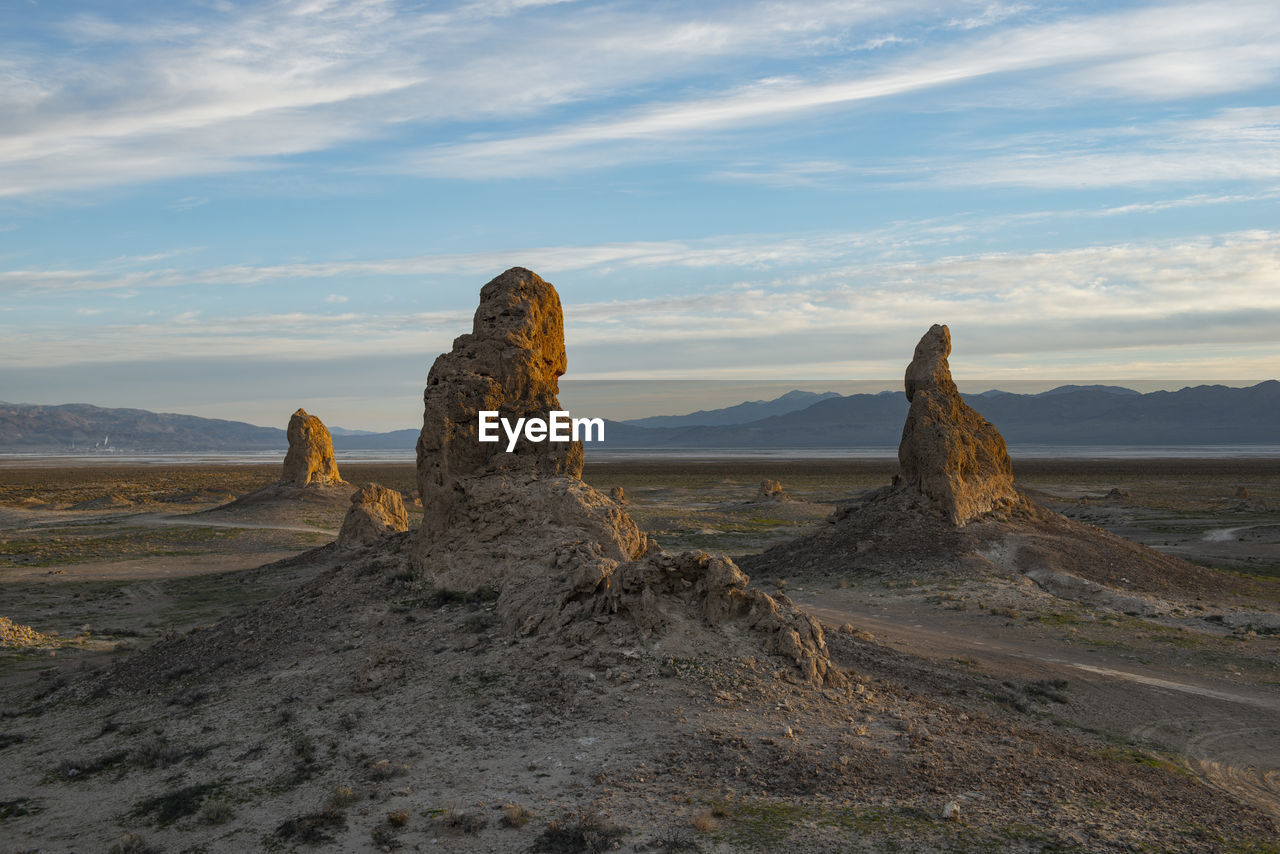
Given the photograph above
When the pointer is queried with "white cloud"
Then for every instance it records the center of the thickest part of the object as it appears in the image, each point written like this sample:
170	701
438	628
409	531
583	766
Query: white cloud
1240	144
1119	310
244	88
238	87
1224	40
335	298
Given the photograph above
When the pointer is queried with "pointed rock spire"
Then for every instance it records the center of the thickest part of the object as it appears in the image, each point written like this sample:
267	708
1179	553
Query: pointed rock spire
950	454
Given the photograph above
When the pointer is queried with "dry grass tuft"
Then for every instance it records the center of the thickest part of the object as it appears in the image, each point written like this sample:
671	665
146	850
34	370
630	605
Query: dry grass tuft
515	815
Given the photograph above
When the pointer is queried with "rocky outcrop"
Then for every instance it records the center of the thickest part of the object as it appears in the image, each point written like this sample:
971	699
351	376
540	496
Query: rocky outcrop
618	495
566	561
511	362
310	457
771	490
375	512
950	455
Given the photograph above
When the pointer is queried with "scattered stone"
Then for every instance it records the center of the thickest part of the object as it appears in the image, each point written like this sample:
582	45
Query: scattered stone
950	454
951	812
17	636
310	456
1242	492
771	490
375	512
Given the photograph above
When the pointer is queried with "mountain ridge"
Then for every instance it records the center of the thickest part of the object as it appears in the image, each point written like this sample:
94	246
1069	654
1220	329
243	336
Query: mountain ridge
1067	416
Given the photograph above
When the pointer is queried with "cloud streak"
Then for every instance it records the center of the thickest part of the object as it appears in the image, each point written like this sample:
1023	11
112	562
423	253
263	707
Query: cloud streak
1110	305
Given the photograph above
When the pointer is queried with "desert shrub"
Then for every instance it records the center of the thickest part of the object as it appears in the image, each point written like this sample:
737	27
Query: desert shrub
515	815
71	769
703	822
216	812
312	828
574	833
1050	689
384	837
385	769
462	822
341	796
133	844
171	806
675	839
398	818
156	753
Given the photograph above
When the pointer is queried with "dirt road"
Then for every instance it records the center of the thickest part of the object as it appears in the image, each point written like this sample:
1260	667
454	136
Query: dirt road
1224	726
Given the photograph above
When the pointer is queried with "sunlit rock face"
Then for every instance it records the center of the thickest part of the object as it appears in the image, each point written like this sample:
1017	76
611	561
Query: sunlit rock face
375	512
310	456
949	454
511	362
565	561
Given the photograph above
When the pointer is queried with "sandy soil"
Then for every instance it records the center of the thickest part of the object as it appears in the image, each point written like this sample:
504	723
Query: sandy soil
1051	724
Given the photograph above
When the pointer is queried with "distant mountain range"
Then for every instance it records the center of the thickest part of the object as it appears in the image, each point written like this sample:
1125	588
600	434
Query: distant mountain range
743	413
1067	415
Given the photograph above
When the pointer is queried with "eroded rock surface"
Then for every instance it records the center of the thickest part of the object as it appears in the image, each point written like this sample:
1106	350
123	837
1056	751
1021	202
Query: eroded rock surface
771	490
310	457
566	561
949	454
375	512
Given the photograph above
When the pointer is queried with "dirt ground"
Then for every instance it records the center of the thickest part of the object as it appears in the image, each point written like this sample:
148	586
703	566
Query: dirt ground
102	561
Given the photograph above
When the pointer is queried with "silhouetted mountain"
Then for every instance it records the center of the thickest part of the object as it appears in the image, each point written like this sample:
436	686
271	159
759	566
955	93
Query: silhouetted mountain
80	427
396	440
1083	415
743	413
1109	389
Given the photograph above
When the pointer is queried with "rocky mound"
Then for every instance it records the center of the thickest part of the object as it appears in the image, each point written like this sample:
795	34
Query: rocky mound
563	558
375	513
771	490
309	459
954	509
17	636
310	473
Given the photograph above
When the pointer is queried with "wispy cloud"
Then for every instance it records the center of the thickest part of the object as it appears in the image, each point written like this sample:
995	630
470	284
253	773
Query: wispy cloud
240	87
1238	144
1140	309
1223	42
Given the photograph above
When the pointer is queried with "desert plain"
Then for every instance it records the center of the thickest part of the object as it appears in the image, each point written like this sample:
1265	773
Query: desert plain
989	713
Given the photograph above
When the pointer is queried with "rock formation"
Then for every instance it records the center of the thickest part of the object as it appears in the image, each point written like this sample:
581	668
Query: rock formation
565	560
771	490
310	457
618	496
949	454
375	512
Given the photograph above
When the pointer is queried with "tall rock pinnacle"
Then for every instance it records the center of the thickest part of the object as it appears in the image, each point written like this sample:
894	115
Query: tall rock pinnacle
950	454
511	362
565	560
310	457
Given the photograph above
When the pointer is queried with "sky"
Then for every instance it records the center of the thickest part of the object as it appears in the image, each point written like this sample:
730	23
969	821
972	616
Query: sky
235	209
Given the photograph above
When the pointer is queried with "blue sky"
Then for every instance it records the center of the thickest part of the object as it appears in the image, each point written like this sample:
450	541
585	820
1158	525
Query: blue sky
233	209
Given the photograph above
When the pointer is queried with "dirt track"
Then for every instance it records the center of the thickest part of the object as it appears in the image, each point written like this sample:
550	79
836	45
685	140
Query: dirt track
1227	731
